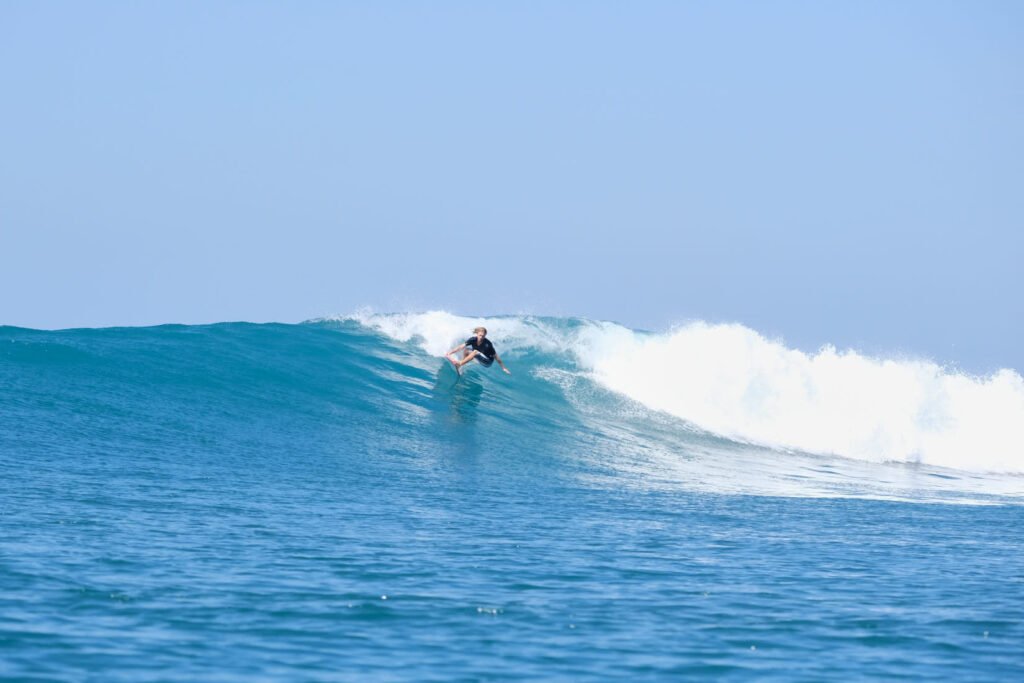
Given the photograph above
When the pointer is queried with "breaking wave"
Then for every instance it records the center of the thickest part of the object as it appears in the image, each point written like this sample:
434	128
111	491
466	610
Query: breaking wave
731	381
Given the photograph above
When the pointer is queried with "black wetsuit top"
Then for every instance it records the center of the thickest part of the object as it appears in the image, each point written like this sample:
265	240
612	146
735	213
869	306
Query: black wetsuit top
484	346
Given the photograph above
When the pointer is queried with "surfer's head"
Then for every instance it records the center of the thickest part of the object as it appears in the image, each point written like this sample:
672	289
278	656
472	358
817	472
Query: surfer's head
482	331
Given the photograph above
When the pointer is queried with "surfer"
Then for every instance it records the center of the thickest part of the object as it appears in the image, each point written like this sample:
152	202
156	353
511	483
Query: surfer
478	347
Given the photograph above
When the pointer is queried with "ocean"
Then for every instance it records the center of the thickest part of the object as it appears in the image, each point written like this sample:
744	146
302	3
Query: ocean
326	501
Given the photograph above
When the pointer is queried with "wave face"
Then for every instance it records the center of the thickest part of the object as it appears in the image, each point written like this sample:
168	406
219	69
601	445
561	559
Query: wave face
729	381
703	407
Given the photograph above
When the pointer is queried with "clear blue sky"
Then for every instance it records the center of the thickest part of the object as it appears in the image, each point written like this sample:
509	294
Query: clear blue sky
850	173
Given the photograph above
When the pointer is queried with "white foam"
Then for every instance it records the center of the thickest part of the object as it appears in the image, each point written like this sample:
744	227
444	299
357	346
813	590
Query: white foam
437	332
730	380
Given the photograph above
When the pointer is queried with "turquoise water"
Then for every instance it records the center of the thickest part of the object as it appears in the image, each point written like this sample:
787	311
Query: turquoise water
325	501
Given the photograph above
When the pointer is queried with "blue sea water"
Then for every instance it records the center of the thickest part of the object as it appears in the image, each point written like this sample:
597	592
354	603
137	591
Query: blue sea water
325	501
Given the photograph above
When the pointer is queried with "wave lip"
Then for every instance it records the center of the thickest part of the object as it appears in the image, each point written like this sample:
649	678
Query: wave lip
730	380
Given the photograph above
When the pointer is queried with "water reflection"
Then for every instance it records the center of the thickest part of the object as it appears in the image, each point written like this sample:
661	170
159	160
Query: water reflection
461	394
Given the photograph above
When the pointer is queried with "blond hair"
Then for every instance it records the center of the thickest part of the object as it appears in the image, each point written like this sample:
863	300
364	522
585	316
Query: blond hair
477	329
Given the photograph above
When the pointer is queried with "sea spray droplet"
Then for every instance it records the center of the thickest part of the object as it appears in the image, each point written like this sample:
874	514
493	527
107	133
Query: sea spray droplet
493	611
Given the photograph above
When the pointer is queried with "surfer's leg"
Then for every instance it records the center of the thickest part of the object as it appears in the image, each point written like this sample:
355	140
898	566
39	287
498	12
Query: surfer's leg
470	355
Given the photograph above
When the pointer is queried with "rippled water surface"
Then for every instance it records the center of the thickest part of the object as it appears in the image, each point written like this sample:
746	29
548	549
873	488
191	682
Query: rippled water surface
318	502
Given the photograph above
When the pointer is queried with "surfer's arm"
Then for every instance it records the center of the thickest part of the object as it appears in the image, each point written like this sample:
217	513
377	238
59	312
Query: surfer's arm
498	358
456	349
